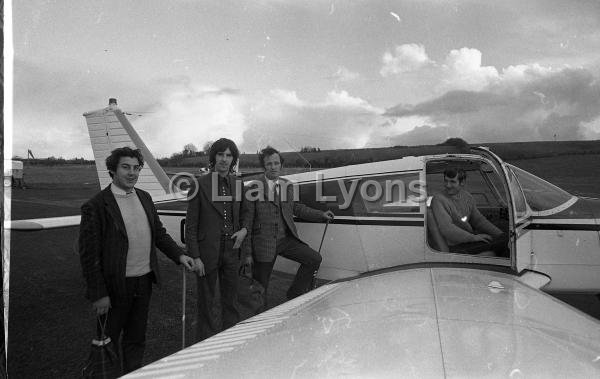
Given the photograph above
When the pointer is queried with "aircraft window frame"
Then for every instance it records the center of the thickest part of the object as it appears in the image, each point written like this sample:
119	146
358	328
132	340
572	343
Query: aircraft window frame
330	187
496	193
500	195
373	208
518	197
559	206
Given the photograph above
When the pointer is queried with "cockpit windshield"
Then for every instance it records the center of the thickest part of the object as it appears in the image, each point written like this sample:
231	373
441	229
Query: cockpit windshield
540	194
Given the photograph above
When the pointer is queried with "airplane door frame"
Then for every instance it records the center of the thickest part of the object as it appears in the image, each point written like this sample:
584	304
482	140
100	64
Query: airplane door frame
519	236
433	255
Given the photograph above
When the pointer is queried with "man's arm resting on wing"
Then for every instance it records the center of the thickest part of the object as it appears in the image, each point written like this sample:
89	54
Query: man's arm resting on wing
304	211
310	214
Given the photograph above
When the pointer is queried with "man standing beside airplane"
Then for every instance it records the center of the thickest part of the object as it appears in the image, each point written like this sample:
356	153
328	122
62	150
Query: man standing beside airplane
459	221
118	236
270	218
213	238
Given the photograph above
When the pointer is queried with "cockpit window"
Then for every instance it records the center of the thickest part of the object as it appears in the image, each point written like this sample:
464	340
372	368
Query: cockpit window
519	200
540	194
392	194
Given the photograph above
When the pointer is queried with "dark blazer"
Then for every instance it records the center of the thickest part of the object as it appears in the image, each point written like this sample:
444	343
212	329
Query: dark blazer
204	219
103	244
263	217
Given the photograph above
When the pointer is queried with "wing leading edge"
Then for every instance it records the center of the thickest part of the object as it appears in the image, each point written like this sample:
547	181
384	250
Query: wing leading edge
425	322
35	224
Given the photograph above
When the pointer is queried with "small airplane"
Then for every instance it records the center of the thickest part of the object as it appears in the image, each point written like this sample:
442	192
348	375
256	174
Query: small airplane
399	301
382	214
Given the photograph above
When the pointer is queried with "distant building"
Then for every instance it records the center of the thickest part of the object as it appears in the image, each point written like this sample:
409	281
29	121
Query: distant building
13	173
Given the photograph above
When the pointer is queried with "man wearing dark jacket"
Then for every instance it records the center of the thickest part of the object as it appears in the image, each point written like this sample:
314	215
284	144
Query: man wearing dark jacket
213	238
119	233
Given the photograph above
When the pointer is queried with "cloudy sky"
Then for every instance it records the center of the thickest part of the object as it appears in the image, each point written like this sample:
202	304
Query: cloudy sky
331	74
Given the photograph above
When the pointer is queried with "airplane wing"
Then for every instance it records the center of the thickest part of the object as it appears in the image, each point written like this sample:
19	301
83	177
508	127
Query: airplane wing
419	322
35	224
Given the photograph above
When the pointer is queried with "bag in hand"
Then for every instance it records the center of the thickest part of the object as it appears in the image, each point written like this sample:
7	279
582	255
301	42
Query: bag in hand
251	294
103	360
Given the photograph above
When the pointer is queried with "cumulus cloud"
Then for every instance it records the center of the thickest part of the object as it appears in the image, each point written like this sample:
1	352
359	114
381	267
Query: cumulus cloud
462	70
283	120
194	114
405	58
167	113
523	103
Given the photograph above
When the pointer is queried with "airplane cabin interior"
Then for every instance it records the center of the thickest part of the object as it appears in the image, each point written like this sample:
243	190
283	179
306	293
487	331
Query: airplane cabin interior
483	182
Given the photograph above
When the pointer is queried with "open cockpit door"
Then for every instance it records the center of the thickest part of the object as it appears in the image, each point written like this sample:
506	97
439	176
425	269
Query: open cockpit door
485	182
519	212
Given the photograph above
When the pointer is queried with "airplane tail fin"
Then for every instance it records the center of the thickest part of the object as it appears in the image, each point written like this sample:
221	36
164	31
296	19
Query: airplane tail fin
109	129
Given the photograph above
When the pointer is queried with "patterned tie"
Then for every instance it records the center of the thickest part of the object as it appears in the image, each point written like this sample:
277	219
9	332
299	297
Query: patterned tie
276	190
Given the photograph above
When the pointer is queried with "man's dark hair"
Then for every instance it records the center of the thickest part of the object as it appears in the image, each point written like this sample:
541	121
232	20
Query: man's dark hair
220	146
267	152
452	172
115	156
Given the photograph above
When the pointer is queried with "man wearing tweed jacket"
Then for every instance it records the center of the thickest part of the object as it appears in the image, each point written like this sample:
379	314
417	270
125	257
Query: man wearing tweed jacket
273	232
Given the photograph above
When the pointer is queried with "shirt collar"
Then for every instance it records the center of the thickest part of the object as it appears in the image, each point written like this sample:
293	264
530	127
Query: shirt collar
271	182
224	179
118	191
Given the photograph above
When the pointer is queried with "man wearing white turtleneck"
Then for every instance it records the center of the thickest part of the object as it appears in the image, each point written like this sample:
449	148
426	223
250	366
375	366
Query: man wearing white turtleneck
119	233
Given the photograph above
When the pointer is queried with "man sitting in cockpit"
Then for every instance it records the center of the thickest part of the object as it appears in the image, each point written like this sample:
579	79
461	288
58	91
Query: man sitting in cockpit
463	227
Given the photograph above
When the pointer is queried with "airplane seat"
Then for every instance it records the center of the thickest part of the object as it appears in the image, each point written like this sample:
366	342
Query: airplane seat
434	236
436	240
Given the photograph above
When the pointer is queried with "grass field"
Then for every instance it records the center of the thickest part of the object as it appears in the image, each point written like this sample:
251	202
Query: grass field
51	323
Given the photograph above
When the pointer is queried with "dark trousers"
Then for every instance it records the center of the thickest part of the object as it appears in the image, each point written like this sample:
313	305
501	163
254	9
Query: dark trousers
130	316
499	245
291	248
209	322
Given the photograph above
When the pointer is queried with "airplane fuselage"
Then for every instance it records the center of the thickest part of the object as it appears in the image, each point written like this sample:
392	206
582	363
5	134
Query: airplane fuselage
562	243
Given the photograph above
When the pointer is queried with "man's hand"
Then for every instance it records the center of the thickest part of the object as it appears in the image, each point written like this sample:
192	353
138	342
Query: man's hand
328	215
482	238
239	237
249	261
199	267
188	262
101	305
